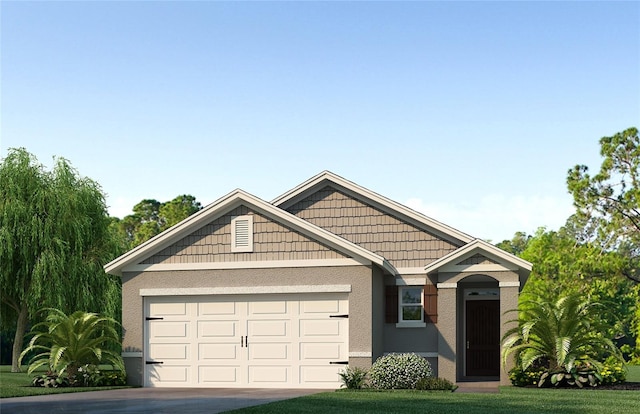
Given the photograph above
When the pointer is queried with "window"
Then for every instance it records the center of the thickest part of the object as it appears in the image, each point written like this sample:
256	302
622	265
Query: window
242	234
410	304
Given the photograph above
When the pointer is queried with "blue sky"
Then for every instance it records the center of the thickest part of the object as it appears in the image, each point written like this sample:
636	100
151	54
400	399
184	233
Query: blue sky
470	112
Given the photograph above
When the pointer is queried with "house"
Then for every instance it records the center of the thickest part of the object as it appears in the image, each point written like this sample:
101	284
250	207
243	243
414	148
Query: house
250	293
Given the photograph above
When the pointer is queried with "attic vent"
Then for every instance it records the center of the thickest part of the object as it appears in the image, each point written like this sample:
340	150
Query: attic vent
242	234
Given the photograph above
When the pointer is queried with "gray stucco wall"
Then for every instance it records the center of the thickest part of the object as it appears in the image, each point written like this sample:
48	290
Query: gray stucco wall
360	299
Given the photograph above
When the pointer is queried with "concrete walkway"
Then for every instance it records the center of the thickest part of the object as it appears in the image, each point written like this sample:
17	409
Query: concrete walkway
149	400
483	387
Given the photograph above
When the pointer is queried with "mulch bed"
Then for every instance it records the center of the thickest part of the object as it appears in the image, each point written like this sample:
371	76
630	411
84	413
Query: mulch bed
626	386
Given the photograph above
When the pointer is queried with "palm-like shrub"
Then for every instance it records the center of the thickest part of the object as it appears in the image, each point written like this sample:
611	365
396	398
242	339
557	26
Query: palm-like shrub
565	337
65	343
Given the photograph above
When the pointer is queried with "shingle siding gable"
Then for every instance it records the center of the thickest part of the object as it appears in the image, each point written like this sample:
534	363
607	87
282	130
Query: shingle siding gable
271	241
403	244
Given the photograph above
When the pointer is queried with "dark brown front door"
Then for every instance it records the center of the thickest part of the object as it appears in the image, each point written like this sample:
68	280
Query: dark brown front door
483	338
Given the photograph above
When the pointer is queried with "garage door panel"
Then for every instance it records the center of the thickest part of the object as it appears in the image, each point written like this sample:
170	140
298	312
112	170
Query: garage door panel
168	329
217	351
209	329
320	375
216	308
320	327
269	351
319	306
169	375
168	309
320	351
268	307
219	375
269	374
268	328
169	351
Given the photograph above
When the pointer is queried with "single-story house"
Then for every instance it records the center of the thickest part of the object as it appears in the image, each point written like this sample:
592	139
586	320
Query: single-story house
250	293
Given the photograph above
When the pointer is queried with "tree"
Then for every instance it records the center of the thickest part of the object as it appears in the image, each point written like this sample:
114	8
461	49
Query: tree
54	240
66	343
563	265
565	336
150	218
610	200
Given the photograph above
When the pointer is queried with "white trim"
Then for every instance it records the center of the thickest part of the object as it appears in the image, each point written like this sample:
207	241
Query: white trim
411	271
422	354
411	281
359	354
262	264
447	285
245	290
131	355
410	324
493	267
506	259
509	284
392	207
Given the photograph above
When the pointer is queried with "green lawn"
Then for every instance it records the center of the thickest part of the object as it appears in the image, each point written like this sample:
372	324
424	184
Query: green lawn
510	400
19	385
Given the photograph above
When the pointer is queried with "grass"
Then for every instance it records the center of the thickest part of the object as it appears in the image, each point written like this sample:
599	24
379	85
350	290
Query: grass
18	384
510	400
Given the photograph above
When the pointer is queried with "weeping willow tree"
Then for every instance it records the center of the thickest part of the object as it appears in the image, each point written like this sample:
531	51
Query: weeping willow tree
54	239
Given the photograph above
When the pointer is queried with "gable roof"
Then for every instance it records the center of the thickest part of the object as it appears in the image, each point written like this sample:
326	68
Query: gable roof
501	257
327	178
227	203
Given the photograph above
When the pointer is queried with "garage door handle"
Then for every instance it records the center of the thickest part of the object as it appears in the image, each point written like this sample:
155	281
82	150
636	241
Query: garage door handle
339	362
153	362
154	318
338	316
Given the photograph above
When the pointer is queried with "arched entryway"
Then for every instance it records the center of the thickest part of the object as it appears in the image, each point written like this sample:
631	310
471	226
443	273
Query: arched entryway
479	335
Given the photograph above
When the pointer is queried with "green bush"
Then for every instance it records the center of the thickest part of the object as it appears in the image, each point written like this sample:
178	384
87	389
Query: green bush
72	346
50	380
524	378
353	378
613	372
435	384
398	371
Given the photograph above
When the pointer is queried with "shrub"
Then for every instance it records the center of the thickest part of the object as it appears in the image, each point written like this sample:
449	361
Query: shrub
613	372
398	371
353	378
610	372
435	384
564	336
69	346
524	378
50	380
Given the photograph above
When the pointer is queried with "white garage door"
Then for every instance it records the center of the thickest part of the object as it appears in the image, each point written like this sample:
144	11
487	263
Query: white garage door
267	340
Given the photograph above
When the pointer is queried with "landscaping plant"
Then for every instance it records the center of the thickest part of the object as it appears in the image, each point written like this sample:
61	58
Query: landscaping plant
72	347
435	384
398	371
564	338
353	378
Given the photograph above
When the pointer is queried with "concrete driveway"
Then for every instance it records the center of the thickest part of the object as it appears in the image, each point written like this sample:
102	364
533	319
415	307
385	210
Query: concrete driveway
149	400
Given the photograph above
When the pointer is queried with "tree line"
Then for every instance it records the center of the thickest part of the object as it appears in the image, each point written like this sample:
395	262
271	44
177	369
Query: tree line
56	234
